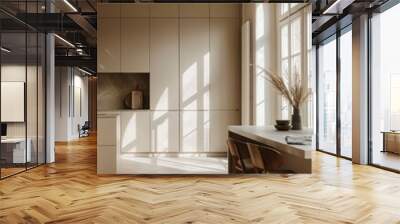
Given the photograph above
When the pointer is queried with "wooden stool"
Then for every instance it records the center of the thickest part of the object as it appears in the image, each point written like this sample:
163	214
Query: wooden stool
264	159
240	164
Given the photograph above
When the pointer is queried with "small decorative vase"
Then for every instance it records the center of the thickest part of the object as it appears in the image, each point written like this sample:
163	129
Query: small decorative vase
296	119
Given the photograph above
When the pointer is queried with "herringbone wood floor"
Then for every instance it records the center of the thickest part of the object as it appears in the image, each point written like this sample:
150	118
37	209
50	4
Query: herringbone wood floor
69	191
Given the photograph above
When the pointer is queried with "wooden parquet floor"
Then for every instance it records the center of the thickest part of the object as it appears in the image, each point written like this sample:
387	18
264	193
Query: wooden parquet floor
69	191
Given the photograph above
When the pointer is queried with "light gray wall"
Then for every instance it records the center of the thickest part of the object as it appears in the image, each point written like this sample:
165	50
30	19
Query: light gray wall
67	81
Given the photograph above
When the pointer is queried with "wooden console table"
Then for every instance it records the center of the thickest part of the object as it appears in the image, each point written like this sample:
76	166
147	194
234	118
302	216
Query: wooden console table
391	141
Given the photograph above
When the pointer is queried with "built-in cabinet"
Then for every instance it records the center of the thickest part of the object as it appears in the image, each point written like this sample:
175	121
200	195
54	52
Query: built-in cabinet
195	64
109	45
206	131
135	10
164	64
135	131
192	55
224	69
195	131
108	143
199	10
223	10
164	131
135	35
219	122
109	10
164	10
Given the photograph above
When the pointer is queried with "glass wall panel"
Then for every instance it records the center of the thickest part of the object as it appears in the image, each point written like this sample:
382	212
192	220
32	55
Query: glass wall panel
31	98
41	98
22	88
385	89
327	96
13	93
346	94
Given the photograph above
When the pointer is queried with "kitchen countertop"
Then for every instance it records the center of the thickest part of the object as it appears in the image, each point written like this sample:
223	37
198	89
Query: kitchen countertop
268	135
116	112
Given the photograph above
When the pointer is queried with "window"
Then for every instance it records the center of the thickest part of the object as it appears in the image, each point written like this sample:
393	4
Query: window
295	48
285	67
327	97
346	94
385	87
284	8
311	73
290	55
335	94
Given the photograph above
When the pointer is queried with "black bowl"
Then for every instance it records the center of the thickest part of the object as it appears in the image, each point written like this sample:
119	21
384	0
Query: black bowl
283	127
283	122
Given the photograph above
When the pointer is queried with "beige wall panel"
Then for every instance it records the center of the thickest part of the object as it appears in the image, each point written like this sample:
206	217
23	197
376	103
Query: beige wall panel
165	10
199	10
135	131
108	10
109	45
225	64
223	10
135	10
195	131
219	122
135	35
165	131
164	64
194	64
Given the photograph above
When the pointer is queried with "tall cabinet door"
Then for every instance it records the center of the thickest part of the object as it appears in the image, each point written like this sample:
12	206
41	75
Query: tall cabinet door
109	45
195	131
164	131
135	34
225	64
219	123
164	64
135	131
195	64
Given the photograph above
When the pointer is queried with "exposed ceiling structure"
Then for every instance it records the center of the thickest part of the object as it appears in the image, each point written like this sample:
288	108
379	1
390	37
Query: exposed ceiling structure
73	21
329	16
204	1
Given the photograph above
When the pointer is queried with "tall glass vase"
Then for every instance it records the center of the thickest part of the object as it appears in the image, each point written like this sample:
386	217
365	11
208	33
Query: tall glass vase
296	119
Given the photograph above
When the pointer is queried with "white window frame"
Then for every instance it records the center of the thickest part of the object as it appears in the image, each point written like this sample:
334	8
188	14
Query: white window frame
302	11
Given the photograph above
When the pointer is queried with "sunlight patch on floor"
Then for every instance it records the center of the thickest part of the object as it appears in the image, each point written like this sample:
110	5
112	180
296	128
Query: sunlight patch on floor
130	164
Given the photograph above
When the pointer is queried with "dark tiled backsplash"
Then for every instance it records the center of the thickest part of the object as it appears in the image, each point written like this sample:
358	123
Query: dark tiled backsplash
113	88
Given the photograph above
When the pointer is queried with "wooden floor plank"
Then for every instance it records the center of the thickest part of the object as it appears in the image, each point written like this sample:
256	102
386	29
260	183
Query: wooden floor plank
69	191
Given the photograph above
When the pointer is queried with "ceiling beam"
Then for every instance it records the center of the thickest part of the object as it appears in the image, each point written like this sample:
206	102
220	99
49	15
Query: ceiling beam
77	61
84	24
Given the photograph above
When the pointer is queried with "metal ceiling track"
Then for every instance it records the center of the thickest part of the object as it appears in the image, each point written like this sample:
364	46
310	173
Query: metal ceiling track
204	1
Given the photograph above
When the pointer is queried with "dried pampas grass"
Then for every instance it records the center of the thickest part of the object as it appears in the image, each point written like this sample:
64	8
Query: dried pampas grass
296	93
